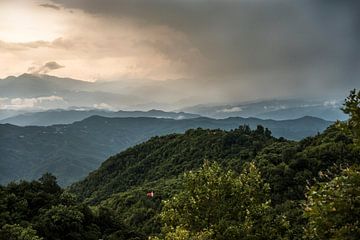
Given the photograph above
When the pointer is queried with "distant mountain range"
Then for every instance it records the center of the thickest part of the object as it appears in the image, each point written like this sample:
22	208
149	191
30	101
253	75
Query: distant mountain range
28	92
29	85
71	151
49	92
274	109
7	113
60	116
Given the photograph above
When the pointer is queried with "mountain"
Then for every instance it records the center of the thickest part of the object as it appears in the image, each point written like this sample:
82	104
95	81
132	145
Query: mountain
274	109
60	116
72	151
34	92
158	165
168	156
30	85
8	113
196	176
38	92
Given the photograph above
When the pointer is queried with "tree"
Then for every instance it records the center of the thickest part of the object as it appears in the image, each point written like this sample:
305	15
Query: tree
332	208
217	205
49	183
16	232
61	222
352	108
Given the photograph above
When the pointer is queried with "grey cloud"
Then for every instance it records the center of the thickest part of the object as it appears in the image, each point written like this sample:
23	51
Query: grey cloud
46	68
16	46
52	6
21	46
280	46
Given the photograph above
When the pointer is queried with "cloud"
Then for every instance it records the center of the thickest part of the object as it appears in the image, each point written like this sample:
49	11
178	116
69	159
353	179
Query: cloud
45	102
210	51
13	46
44	69
103	106
332	103
52	6
247	48
58	43
230	110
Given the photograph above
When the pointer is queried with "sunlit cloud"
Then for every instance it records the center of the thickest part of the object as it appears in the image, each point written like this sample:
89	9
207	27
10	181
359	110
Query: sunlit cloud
41	103
33	34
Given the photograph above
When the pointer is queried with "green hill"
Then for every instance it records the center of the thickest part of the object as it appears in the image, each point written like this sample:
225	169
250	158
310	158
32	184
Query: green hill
168	156
122	181
71	151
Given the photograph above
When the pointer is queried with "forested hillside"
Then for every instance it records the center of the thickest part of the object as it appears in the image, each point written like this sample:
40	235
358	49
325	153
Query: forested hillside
206	184
168	156
71	151
288	167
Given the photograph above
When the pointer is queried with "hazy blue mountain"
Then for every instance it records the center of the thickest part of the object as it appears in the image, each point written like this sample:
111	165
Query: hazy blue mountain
50	92
44	92
72	151
274	109
7	113
29	85
61	116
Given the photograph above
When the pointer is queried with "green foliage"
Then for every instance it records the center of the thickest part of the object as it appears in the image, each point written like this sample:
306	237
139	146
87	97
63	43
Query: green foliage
137	210
352	108
42	210
216	204
16	232
289	166
122	181
61	221
333	208
169	156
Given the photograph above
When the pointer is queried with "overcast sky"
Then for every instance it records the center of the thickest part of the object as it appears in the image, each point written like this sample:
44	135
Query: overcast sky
210	51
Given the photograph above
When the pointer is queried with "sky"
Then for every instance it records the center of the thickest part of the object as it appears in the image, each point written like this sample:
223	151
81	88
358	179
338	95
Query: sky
198	50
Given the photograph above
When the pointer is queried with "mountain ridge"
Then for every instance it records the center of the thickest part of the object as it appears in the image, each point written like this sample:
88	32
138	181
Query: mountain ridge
70	151
63	116
41	91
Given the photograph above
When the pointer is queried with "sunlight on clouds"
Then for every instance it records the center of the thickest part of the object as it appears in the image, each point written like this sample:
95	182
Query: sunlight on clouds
90	47
24	21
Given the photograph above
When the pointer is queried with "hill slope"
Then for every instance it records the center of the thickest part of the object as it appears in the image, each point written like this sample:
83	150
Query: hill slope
122	181
72	151
168	156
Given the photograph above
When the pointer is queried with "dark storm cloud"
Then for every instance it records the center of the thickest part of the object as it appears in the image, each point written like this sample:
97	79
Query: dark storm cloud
46	68
288	45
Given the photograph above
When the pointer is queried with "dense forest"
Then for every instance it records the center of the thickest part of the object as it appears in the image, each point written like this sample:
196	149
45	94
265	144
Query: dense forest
207	184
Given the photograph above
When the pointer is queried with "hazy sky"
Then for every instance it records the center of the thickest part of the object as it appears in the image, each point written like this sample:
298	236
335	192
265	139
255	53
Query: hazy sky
209	50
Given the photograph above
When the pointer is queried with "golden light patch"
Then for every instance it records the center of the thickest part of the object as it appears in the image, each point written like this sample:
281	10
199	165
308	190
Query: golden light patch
26	21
